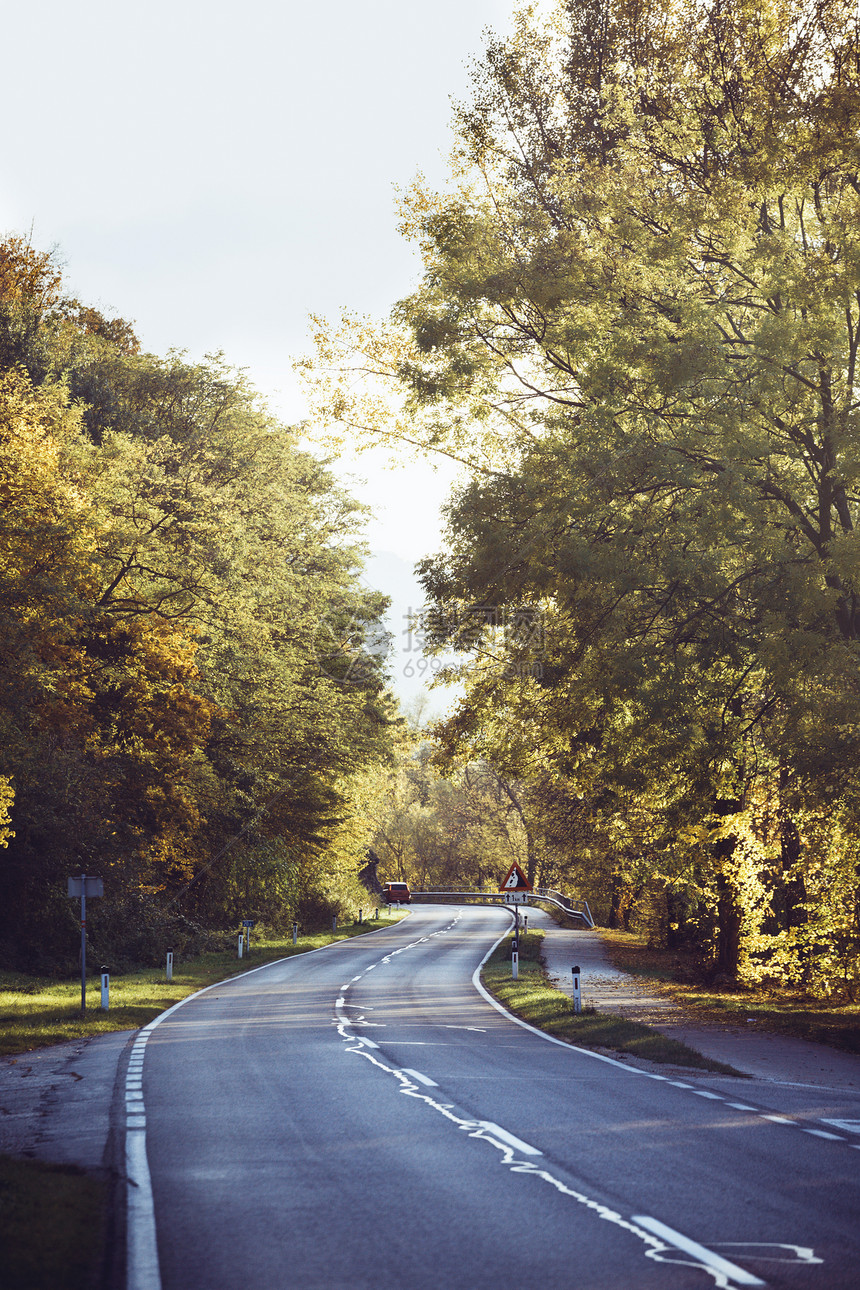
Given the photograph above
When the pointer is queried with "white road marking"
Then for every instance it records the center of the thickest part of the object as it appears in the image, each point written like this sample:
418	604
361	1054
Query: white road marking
142	1270
142	1254
847	1126
511	1139
630	1070
802	1253
490	1133
422	1079
699	1252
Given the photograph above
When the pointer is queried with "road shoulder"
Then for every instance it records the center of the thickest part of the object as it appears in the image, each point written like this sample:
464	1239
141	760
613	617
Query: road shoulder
777	1058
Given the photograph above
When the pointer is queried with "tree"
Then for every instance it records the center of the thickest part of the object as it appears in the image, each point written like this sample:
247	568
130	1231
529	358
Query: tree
173	714
638	326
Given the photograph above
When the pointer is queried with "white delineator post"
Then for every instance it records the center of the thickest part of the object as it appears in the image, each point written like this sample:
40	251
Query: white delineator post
105	989
168	971
515	960
295	932
577	993
241	943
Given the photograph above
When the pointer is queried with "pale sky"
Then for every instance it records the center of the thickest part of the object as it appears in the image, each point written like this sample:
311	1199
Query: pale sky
214	172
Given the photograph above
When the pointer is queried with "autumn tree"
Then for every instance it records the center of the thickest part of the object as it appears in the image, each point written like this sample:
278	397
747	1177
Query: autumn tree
638	328
174	713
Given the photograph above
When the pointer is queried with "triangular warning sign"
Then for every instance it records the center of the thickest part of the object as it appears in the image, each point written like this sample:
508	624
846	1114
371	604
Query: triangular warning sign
515	880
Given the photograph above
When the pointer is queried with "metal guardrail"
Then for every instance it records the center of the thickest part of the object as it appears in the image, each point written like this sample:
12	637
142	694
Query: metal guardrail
573	906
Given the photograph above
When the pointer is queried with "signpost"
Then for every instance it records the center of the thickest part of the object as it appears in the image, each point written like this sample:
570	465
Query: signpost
515	882
84	887
515	885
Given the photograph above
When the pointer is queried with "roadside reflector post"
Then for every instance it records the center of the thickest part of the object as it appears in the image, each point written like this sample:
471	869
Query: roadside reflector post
577	993
168	971
361	915
515	958
376	912
105	988
526	924
241	943
295	932
334	922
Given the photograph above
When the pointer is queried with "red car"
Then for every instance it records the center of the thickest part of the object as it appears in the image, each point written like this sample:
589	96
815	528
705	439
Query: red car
395	892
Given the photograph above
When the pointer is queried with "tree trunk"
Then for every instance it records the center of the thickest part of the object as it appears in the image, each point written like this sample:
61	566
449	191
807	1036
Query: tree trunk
619	901
729	918
792	894
676	912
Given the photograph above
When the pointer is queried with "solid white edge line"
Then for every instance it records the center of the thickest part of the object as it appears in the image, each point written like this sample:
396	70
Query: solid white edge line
142	1272
700	1252
551	1039
142	1267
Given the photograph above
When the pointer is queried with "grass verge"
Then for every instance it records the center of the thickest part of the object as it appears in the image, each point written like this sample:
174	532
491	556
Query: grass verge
784	1012
536	1001
51	1226
37	1011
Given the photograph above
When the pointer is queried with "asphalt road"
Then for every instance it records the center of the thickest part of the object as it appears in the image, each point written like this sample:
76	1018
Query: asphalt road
363	1117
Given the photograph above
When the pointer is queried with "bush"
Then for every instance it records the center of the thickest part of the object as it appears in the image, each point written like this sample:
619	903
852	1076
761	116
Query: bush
135	931
315	910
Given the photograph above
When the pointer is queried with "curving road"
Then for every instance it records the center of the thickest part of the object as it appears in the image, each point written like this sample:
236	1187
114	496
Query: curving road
363	1117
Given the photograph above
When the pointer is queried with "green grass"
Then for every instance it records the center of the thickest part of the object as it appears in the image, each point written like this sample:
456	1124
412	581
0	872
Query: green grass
36	1011
784	1012
536	1001
51	1226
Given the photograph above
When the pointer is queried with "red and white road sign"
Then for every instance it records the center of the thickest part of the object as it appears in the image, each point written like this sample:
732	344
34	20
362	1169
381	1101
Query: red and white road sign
515	880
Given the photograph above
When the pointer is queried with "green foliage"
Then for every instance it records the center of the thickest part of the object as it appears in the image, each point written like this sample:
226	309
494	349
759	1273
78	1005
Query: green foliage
638	326
437	823
536	1001
186	681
